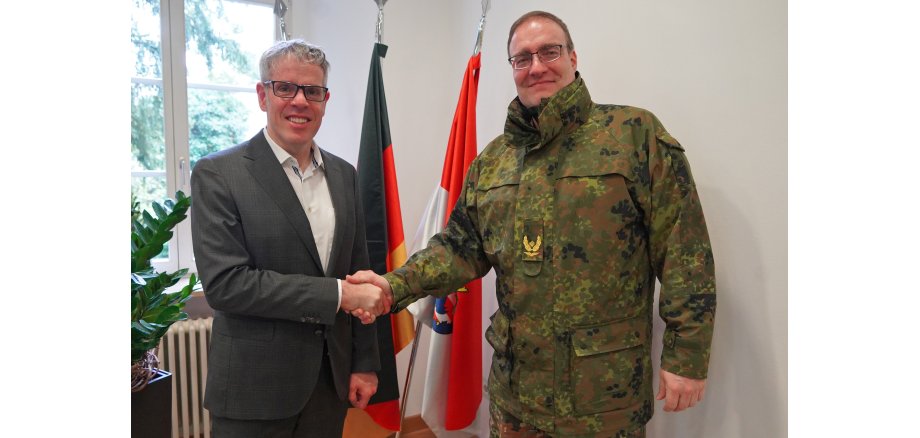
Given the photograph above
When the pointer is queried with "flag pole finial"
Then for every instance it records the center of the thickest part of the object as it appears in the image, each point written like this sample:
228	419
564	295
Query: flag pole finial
378	37
486	4
280	10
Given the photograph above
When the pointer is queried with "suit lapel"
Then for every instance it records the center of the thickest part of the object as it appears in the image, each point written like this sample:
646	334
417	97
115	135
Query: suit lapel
266	170
336	183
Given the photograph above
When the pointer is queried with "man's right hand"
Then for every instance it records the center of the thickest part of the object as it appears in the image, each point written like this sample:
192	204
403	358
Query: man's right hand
371	300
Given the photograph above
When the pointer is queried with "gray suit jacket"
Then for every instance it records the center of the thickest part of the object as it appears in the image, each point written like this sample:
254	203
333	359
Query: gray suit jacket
274	306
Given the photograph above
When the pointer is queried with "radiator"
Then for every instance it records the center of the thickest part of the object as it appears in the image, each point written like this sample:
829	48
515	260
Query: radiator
184	353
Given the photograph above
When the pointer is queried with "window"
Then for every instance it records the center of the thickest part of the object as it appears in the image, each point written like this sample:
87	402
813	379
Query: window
196	63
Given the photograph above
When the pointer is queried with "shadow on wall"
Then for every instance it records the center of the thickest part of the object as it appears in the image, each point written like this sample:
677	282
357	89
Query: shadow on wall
743	390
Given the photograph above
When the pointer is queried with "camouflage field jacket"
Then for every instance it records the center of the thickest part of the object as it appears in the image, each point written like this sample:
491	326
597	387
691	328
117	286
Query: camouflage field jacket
578	212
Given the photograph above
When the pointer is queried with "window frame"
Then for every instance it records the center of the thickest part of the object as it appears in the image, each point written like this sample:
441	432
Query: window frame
175	86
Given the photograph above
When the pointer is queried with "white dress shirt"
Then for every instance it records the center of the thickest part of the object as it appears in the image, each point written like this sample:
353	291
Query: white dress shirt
310	186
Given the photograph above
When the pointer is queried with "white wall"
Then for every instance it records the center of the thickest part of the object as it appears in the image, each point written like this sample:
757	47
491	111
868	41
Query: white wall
714	71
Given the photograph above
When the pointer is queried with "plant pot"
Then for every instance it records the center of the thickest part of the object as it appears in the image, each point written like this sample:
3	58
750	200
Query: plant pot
150	408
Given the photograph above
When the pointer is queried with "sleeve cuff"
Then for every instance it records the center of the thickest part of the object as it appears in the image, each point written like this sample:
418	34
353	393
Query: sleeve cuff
338	305
400	292
684	357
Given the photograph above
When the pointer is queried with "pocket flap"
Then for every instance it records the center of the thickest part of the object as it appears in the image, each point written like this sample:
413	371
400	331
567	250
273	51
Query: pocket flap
244	328
494	180
609	336
498	169
604	159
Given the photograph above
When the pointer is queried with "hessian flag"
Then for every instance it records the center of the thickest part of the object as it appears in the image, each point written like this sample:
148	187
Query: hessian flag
454	384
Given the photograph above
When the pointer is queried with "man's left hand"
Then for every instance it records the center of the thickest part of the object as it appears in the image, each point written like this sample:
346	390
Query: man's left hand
678	392
361	387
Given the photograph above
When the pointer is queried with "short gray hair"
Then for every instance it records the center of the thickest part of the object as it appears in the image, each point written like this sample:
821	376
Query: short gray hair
297	49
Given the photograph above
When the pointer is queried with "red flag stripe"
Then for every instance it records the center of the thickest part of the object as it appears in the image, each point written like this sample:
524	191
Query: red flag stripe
464	386
386	414
394	211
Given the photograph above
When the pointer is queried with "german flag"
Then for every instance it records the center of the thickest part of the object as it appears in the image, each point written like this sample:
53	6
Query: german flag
385	240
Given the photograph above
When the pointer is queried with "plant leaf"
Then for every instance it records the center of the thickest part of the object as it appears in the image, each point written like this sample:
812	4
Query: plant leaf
152	310
160	211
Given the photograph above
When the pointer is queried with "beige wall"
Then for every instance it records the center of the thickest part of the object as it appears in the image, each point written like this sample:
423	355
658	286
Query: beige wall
714	71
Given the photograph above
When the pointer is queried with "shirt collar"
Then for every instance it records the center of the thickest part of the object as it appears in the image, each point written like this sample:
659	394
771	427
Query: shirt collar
283	156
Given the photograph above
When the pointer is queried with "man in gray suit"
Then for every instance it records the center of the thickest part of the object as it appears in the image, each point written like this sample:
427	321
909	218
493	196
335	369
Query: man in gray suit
276	225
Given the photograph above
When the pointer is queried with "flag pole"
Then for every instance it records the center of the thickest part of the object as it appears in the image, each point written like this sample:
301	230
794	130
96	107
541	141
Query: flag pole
405	396
378	38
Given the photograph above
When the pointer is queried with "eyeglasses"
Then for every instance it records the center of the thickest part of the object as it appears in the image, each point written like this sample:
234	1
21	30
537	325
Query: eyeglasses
546	54
287	90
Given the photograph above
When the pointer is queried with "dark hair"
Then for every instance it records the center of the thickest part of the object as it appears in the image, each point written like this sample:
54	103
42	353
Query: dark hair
545	15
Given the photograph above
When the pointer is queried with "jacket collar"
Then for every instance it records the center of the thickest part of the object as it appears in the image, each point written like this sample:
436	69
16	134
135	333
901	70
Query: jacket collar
561	113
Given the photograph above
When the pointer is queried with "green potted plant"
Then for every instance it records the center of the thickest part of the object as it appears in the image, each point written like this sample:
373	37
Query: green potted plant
153	309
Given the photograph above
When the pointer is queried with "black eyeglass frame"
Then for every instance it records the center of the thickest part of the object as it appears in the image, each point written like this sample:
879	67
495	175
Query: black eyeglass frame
300	88
528	56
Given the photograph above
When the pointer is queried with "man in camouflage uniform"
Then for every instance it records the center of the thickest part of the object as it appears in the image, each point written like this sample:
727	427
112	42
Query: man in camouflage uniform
578	207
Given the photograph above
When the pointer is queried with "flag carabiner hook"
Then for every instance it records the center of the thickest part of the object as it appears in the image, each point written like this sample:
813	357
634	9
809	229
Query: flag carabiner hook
486	4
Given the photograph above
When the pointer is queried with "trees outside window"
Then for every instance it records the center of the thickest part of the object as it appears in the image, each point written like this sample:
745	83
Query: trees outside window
196	63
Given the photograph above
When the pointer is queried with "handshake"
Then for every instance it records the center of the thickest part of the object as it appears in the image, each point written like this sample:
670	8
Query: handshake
366	296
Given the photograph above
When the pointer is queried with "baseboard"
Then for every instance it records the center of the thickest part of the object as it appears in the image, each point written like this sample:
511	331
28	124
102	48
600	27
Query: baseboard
360	425
415	427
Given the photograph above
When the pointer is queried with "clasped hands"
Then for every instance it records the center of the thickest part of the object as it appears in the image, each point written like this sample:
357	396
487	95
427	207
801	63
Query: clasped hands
366	296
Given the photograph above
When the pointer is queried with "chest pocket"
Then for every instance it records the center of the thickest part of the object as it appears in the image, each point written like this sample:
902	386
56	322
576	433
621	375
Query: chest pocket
593	197
496	195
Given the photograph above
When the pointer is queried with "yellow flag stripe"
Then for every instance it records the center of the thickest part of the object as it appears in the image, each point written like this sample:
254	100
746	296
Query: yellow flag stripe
403	324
